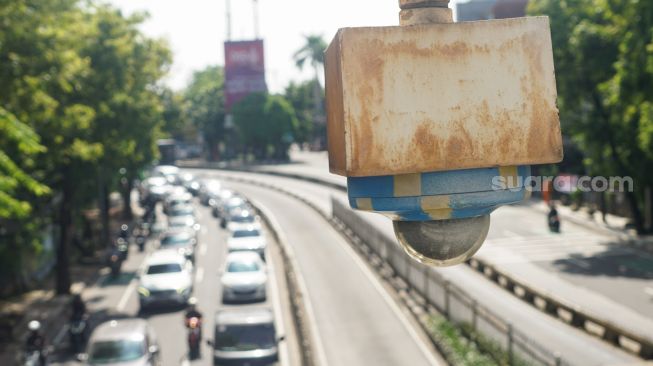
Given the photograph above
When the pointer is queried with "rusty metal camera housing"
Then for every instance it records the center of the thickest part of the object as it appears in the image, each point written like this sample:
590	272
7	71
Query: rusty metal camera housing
422	120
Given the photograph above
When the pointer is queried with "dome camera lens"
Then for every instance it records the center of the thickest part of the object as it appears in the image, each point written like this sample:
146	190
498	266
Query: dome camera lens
442	242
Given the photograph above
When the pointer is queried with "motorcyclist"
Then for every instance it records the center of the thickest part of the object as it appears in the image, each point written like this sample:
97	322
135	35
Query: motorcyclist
192	312
35	341
553	218
124	231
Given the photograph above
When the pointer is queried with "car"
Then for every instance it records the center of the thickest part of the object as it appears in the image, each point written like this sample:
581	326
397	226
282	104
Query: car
245	337
169	172
189	182
153	189
232	206
218	202
173	201
210	188
182	240
243	219
247	239
122	342
166	278
244	278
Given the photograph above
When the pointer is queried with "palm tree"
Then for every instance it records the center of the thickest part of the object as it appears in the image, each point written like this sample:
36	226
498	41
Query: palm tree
313	52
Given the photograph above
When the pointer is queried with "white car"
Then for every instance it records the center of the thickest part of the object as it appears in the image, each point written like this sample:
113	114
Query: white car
244	277
247	239
169	172
166	278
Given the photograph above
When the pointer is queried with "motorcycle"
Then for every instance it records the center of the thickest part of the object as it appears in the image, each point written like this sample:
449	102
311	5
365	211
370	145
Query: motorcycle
33	358
77	333
114	264
554	223
194	337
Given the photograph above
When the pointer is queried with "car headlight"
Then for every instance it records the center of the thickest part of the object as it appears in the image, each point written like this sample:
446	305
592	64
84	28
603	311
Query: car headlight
143	291
183	290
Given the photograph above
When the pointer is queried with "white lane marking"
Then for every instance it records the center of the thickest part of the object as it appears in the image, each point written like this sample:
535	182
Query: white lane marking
126	295
184	362
202	249
391	303
317	343
284	358
199	275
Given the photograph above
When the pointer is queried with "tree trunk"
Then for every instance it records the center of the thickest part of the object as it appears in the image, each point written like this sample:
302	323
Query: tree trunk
126	199
65	220
635	211
103	201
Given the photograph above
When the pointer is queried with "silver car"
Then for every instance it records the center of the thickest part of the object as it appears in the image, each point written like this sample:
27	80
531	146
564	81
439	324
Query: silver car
244	277
245	337
125	342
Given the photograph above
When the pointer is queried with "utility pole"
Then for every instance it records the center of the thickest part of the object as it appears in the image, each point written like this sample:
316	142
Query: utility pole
228	15
255	13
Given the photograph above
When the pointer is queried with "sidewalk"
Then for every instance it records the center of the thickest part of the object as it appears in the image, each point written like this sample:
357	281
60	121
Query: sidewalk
45	306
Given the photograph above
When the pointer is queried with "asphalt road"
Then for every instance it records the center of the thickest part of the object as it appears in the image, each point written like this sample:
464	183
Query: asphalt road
357	322
572	344
115	298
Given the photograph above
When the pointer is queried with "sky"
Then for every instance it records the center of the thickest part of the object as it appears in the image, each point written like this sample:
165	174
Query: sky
196	29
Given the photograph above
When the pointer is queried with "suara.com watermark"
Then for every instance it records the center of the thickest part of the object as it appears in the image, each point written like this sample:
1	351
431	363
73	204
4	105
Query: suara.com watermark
564	183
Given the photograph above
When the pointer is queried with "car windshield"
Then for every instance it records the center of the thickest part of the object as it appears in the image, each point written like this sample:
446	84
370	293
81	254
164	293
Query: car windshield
242	219
116	351
234	267
246	233
245	337
163	268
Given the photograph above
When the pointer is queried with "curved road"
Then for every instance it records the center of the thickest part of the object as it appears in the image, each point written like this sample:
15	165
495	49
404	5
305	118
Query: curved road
572	344
357	322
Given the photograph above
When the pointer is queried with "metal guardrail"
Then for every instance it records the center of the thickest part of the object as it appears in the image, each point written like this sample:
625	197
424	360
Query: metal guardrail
450	300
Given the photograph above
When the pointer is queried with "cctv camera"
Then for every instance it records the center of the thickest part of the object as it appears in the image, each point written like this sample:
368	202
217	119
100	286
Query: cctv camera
425	120
440	218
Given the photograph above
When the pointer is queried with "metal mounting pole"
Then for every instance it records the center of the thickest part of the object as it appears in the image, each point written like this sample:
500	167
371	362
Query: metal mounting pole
228	14
256	26
414	12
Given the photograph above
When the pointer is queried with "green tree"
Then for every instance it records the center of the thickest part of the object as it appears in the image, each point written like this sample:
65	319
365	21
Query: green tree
265	124
300	96
604	55
204	106
313	52
41	73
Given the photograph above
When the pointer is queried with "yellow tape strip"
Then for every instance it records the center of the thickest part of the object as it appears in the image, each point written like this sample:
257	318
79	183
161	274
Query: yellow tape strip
408	185
509	173
364	204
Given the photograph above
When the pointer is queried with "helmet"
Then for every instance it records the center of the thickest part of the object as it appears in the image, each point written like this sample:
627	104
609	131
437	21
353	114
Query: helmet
124	227
34	325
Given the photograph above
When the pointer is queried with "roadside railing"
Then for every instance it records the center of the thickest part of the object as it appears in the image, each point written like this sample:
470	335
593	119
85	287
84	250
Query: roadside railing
433	290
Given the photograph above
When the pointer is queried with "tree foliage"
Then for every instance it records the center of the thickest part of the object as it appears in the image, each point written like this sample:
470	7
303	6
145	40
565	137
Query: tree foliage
603	52
265	125
79	94
204	106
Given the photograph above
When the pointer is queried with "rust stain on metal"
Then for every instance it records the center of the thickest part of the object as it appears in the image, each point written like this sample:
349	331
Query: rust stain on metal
442	97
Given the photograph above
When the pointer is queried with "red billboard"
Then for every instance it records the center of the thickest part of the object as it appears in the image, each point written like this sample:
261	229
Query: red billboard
244	70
